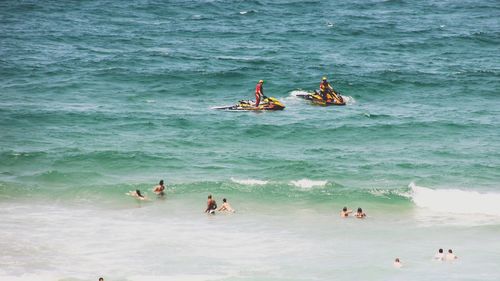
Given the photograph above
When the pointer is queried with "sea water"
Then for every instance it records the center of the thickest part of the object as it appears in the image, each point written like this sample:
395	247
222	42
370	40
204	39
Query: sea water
98	98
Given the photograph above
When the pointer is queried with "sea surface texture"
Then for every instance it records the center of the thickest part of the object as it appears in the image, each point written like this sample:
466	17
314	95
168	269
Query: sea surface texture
98	98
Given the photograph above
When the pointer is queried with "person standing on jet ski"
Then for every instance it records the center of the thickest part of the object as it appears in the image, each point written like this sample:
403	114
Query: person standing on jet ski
325	88
259	92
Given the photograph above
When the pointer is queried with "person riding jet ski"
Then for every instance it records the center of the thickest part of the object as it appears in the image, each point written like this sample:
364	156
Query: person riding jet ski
327	92
325	88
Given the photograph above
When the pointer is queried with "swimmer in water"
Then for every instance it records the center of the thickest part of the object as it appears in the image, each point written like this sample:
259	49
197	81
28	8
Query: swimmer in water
450	256
159	189
397	263
360	214
226	207
137	194
345	213
439	255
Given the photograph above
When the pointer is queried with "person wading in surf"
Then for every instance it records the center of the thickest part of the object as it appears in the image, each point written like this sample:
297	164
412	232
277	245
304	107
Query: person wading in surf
159	189
211	205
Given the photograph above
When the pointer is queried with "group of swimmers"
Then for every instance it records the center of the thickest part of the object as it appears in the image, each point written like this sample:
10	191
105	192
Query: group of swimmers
359	213
159	190
439	256
212	206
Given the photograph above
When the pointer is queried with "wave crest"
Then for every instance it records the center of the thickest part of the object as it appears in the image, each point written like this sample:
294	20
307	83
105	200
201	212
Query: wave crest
349	99
456	201
307	183
249	181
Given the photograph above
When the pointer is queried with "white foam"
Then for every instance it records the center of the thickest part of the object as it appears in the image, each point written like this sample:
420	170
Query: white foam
292	98
456	201
307	183
181	277
294	93
33	277
246	12
388	193
349	100
219	107
249	181
380	192
160	50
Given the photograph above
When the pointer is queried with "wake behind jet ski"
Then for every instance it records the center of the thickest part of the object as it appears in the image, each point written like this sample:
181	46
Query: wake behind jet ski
325	96
268	103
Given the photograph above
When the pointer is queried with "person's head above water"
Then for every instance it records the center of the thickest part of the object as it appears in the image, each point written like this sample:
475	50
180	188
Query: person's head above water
224	200
360	210
440	251
209	196
138	193
161	182
450	251
344	209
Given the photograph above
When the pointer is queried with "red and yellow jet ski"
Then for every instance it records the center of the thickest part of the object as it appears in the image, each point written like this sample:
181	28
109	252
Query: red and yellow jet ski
268	103
326	100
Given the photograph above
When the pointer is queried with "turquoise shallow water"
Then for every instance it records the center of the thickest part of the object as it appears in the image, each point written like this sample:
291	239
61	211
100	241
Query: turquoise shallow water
101	97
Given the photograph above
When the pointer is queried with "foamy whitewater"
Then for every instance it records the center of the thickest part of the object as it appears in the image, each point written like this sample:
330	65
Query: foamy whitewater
306	183
249	182
456	201
100	98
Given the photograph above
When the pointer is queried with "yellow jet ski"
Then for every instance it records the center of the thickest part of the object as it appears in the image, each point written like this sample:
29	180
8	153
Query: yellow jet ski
268	103
329	99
